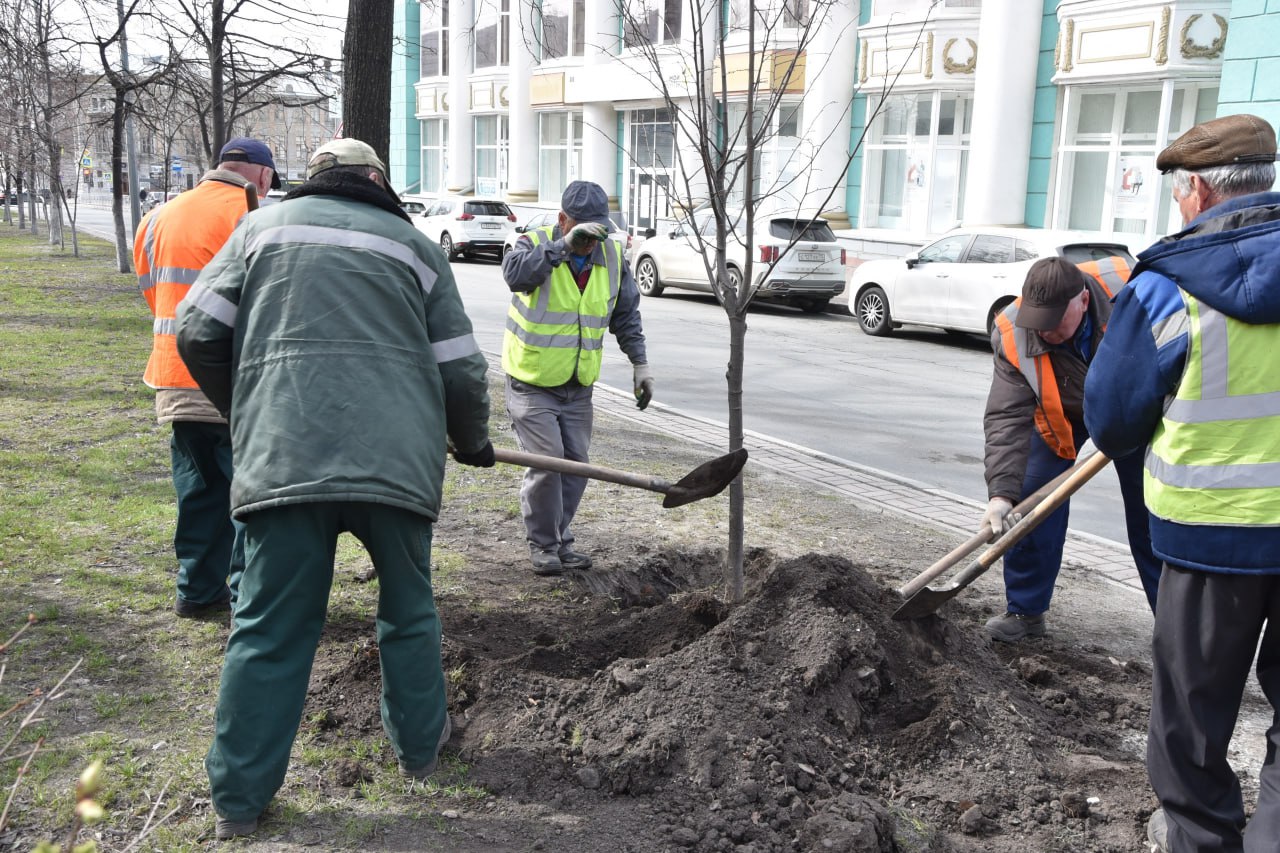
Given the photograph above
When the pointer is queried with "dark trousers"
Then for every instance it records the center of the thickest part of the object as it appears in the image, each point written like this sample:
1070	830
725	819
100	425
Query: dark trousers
1207	631
1031	567
209	544
283	598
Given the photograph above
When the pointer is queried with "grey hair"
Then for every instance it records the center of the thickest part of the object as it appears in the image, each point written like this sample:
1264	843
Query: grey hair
1229	181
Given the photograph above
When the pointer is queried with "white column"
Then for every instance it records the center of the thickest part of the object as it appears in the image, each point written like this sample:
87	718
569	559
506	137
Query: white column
599	118
522	128
460	174
1003	102
827	115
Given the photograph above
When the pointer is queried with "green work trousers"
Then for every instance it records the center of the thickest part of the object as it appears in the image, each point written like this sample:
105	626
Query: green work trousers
289	552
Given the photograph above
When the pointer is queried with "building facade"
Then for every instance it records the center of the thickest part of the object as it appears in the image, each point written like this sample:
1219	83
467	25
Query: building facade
895	119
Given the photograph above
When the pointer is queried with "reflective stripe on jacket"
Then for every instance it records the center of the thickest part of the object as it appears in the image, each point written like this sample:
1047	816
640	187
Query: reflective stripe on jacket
173	244
555	332
1037	368
1213	459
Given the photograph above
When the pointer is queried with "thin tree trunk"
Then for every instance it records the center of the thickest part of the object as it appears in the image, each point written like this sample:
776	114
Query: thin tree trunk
123	262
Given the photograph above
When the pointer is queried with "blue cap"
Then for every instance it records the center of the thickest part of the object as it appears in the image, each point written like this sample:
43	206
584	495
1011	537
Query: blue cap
584	201
242	149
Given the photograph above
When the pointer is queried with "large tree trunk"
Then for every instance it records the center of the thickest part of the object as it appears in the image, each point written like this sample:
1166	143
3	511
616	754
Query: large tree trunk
366	69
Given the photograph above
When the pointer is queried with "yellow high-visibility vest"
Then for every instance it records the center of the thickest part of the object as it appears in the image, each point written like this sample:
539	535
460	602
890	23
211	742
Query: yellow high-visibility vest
1215	457
556	331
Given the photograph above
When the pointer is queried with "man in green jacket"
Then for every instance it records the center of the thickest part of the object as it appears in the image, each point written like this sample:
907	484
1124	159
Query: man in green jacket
331	332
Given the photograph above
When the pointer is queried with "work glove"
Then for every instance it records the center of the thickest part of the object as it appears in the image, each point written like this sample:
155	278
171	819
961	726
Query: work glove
581	235
999	518
643	382
482	458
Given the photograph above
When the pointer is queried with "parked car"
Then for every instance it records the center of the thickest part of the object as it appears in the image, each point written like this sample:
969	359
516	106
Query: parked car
797	260
467	226
415	205
961	281
541	220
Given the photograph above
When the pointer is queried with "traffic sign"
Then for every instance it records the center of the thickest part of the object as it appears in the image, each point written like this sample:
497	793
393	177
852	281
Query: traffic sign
86	161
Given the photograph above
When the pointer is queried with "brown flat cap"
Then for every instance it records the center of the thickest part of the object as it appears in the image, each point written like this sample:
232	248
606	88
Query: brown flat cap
1225	141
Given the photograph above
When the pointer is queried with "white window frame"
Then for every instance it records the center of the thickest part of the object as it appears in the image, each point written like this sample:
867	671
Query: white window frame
1162	216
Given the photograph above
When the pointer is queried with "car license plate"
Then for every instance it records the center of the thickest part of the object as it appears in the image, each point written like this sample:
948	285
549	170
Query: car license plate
811	257
490	225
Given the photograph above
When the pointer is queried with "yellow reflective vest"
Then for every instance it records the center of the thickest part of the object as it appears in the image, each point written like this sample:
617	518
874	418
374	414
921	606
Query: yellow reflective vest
556	331
1213	459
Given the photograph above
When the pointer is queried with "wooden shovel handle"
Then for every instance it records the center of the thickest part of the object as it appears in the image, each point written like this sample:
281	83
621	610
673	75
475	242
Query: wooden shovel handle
981	538
1080	474
251	196
580	469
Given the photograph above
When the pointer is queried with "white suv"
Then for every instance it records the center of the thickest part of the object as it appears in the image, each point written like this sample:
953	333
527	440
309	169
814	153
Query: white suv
797	261
467	226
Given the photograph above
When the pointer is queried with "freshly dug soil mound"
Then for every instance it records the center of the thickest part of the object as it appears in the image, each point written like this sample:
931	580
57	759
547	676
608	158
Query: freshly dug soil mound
804	718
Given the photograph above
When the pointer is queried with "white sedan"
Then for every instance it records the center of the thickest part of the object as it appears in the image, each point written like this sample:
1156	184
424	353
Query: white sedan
961	281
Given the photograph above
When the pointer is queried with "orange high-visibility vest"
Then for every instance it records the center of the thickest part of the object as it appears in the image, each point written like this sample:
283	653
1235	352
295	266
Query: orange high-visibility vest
1051	421
173	244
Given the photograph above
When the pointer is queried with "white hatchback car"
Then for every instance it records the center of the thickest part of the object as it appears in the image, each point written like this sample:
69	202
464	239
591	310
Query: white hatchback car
797	260
961	281
467	226
549	217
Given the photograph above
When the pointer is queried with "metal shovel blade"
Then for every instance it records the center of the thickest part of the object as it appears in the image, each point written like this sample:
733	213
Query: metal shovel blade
708	479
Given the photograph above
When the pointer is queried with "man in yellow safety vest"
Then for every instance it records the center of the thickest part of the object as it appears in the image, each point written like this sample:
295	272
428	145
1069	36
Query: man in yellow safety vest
1188	375
569	283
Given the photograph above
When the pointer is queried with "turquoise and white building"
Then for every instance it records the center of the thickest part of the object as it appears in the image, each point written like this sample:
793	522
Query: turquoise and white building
1043	113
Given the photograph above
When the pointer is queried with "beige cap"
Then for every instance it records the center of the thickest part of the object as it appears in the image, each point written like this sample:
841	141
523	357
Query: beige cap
343	152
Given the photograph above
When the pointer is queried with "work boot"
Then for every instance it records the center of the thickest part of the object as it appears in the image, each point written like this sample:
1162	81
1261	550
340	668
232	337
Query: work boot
546	561
202	610
571	559
227	829
424	772
1158	832
1013	627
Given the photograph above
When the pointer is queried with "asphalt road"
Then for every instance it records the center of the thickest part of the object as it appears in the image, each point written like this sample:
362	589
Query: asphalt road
910	404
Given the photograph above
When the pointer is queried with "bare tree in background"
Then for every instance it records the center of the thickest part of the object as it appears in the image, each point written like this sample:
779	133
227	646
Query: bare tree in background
366	67
243	61
726	85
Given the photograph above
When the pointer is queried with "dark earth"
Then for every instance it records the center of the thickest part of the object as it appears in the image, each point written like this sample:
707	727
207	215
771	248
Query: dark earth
631	708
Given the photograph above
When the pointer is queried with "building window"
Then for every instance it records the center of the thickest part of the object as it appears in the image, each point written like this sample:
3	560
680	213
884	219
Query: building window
493	33
491	155
563	28
559	153
917	154
435	39
650	168
647	22
770	14
435	157
1107	178
779	158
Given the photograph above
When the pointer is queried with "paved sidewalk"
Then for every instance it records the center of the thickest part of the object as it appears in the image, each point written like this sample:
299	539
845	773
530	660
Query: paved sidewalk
867	487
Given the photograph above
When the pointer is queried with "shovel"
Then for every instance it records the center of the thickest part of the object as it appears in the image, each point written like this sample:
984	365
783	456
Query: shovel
706	480
926	600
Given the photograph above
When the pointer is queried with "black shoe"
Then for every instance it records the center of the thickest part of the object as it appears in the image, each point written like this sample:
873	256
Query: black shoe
1013	627
423	773
227	829
545	561
573	560
202	610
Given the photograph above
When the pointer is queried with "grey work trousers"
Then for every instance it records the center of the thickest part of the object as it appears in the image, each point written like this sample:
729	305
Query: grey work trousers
1207	630
551	422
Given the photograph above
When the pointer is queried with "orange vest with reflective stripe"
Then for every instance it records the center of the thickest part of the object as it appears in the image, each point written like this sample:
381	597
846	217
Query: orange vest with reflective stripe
1051	421
173	244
